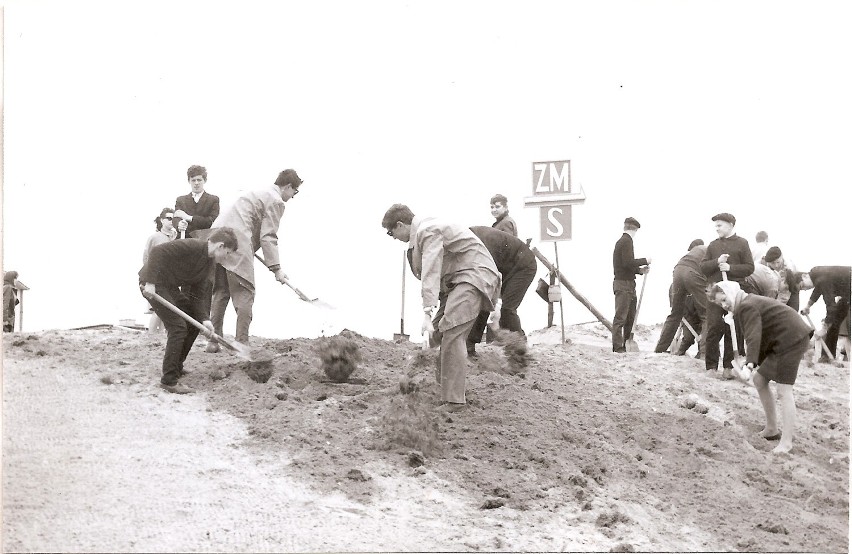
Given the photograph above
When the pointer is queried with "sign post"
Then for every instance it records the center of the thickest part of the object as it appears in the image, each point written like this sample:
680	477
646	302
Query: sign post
553	196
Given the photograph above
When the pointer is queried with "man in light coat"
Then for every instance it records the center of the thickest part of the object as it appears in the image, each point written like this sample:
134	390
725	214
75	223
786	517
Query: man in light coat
448	258
255	217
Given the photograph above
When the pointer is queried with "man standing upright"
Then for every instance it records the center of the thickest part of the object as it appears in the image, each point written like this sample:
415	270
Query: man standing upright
500	211
255	218
450	258
729	256
687	279
625	268
761	245
198	209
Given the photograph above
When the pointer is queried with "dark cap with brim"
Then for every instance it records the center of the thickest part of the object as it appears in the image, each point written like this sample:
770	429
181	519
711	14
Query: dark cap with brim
632	222
724	216
772	254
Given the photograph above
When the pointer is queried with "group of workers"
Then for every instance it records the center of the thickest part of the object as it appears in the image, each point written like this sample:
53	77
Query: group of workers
759	292
200	260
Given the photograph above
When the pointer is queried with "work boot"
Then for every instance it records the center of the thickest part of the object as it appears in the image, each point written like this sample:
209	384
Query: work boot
728	374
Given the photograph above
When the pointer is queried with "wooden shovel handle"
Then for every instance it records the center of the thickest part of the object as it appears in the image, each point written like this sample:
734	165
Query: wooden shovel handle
189	319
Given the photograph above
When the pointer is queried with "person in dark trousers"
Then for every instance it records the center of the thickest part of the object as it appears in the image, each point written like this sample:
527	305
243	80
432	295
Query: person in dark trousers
687	279
517	266
181	272
10	300
732	255
776	339
625	268
693	315
830	282
500	211
198	209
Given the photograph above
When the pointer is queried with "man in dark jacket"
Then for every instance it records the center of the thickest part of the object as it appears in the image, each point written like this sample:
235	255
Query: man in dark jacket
517	265
727	257
829	281
181	272
687	279
625	268
198	209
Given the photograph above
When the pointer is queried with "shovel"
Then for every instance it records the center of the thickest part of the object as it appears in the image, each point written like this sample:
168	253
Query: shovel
401	335
741	372
315	302
630	344
819	344
241	350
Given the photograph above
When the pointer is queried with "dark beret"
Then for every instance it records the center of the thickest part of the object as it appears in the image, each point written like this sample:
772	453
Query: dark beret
696	242
725	217
772	254
633	222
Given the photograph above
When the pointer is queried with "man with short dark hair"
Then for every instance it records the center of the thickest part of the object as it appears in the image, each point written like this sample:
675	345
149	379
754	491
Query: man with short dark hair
255	218
727	257
450	259
625	268
181	272
788	287
198	209
500	211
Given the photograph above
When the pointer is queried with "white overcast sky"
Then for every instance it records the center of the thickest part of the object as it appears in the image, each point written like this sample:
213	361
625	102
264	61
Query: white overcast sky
670	112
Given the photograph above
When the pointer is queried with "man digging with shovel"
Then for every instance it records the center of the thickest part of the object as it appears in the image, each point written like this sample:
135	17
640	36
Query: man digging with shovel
181	273
448	257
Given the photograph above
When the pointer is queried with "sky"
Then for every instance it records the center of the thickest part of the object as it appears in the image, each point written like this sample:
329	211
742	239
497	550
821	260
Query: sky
670	112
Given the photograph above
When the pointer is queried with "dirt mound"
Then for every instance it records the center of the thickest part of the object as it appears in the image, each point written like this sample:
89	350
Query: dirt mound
641	451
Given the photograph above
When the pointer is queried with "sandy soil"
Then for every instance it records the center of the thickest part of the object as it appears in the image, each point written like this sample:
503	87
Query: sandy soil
583	450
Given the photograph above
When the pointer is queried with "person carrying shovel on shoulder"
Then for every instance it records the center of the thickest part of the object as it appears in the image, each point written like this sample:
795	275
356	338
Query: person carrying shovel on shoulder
181	272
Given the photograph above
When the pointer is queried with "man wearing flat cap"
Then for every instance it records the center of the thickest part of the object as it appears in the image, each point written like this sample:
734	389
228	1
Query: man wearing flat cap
728	258
255	217
788	288
625	268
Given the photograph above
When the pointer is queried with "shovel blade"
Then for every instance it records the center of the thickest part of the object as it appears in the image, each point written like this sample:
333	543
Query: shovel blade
631	346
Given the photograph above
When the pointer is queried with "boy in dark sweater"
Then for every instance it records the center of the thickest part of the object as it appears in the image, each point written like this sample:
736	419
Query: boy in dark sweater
181	272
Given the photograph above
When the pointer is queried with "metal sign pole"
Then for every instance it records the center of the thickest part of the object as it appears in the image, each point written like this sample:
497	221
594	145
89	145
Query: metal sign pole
561	313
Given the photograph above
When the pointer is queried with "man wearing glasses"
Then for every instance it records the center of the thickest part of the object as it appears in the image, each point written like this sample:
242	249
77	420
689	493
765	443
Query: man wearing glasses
198	209
255	217
451	262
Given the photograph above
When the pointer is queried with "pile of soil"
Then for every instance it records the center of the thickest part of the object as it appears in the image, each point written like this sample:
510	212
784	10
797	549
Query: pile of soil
640	451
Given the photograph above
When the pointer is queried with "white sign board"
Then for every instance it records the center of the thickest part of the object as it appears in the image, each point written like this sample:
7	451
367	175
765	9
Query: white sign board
552	194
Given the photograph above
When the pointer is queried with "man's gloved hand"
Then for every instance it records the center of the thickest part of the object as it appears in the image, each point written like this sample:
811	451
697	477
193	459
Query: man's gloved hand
806	310
427	326
148	289
281	277
821	332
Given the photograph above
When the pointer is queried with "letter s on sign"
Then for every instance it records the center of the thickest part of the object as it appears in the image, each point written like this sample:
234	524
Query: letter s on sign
558	229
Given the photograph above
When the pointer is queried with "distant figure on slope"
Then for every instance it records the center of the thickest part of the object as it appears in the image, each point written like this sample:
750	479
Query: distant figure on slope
776	339
625	268
500	211
165	233
10	300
